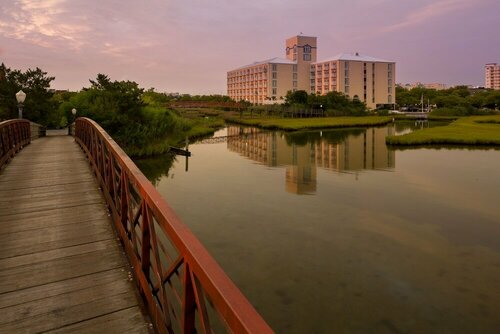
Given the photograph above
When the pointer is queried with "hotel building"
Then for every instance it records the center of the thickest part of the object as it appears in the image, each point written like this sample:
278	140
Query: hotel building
368	79
492	76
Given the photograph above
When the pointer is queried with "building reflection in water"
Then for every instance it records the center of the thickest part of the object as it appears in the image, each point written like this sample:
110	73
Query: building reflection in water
303	152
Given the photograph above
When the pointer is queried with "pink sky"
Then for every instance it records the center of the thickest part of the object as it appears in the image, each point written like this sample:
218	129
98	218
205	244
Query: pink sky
188	46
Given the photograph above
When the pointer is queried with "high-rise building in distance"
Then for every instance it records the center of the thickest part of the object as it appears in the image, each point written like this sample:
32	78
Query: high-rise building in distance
492	76
369	79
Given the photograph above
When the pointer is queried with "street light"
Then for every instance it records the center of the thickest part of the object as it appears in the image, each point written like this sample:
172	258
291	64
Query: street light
20	97
73	111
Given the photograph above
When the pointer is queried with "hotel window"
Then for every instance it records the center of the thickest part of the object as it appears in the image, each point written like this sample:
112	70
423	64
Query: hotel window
275	67
275	75
294	68
295	76
274	91
307	57
307	49
389	67
346	81
389	99
295	84
389	90
346	89
275	83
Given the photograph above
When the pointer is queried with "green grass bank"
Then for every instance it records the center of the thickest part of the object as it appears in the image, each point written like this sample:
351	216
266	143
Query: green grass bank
475	130
294	124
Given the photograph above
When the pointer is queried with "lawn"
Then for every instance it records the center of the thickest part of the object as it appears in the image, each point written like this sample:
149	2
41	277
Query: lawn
475	130
293	124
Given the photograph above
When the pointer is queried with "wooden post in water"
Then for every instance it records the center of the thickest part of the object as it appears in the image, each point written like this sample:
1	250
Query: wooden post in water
187	155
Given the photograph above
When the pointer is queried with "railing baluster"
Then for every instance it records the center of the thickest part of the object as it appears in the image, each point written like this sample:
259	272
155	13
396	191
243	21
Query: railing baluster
188	303
146	245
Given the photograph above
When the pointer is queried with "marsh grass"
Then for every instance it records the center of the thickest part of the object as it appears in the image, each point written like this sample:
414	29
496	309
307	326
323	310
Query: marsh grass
475	130
166	129
293	124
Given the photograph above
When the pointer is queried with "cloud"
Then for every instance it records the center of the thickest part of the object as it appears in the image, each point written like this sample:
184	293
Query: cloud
43	23
432	10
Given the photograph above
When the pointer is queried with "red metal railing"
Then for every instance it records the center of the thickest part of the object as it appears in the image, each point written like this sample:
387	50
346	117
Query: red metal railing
183	287
14	135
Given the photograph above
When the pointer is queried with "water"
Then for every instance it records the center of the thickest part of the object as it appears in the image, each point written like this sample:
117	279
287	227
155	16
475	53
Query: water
331	231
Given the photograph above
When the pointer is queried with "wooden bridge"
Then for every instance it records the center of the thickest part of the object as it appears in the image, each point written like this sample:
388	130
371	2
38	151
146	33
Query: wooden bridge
88	245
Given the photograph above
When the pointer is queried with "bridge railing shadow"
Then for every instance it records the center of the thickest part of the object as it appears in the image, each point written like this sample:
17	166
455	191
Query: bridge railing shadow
183	287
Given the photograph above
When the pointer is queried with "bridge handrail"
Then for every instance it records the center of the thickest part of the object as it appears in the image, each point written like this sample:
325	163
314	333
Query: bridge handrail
164	253
14	135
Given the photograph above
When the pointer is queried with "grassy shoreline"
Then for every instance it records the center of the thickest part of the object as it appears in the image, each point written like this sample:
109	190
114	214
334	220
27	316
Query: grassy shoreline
474	130
190	128
294	124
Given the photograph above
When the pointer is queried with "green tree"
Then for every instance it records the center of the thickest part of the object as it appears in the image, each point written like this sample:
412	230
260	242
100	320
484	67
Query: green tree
35	83
492	100
297	97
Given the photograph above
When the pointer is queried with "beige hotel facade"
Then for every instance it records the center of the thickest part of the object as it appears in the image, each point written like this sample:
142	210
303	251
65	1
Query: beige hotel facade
369	79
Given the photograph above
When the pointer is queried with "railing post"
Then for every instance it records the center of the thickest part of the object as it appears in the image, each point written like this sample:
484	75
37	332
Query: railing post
146	241
188	303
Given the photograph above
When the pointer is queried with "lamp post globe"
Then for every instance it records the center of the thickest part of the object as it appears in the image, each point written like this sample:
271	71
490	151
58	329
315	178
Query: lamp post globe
73	111
20	97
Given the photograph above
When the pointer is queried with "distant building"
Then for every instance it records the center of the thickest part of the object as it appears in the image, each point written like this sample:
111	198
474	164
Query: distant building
435	85
58	91
492	76
368	79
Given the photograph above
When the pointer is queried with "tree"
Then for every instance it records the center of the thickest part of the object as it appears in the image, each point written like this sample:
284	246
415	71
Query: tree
297	97
35	83
492	100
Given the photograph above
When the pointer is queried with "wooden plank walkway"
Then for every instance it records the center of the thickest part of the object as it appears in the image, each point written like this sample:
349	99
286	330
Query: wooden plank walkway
62	269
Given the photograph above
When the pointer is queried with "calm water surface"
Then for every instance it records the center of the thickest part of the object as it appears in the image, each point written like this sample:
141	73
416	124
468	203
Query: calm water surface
331	231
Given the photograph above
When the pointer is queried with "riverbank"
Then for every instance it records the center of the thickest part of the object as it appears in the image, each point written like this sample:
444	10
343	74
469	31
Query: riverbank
475	130
294	124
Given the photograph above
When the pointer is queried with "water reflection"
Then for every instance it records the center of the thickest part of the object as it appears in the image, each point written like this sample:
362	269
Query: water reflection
157	167
303	152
